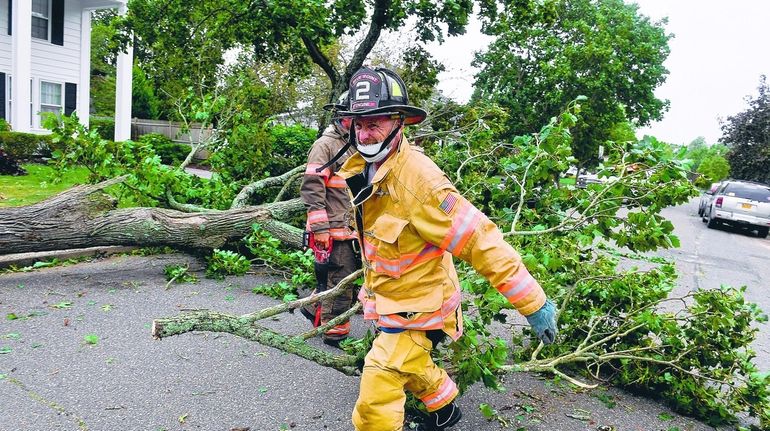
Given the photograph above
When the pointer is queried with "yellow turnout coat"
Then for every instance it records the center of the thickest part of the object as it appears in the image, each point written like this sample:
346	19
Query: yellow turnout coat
412	221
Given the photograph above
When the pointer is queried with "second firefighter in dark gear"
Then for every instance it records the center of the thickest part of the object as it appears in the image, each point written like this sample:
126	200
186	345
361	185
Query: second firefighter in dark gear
329	221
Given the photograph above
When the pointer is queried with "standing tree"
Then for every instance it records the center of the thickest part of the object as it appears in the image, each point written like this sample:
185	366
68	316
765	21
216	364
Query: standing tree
603	49
297	34
145	103
748	136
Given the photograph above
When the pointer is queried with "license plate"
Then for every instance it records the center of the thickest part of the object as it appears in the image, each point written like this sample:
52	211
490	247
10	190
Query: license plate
747	206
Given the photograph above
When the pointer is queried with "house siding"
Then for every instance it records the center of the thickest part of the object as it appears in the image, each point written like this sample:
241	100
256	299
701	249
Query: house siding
60	63
49	62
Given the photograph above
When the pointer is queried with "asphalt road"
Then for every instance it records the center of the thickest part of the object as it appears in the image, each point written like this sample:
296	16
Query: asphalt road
708	258
52	379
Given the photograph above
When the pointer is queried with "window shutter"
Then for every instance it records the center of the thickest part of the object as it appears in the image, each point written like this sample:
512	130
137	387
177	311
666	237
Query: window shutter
70	97
10	16
2	95
57	22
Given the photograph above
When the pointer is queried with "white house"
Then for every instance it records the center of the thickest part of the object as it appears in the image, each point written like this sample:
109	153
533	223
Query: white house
45	63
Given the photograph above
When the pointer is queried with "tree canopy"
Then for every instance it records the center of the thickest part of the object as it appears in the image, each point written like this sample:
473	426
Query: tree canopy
297	33
603	49
747	134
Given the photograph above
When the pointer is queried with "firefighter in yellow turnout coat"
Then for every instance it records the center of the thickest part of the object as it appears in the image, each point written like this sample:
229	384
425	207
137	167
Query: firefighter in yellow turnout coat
412	221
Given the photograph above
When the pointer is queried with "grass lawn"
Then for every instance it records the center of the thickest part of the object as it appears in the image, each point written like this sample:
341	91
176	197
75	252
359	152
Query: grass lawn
37	185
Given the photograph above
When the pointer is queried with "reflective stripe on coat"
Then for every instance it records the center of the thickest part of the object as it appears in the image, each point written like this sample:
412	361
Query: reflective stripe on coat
413	222
325	194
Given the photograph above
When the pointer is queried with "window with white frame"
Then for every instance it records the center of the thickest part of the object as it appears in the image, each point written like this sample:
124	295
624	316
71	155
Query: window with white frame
9	112
50	97
40	18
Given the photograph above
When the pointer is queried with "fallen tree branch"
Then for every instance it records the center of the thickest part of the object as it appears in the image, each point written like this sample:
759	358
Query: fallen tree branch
236	325
245	326
243	196
287	187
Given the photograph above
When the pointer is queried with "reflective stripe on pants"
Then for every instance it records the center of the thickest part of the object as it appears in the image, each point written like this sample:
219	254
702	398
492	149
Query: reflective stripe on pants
399	362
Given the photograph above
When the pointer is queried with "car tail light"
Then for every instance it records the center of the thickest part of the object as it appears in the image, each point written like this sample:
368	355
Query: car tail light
718	203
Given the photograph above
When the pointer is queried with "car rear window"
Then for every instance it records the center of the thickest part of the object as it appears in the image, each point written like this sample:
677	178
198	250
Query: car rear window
748	191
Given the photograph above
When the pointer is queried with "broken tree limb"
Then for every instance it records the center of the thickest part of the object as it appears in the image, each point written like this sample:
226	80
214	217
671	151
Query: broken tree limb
291	182
292	305
280	180
287	233
282	210
84	216
332	323
246	326
236	325
188	208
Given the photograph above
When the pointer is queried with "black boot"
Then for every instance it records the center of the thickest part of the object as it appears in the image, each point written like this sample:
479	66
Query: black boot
443	418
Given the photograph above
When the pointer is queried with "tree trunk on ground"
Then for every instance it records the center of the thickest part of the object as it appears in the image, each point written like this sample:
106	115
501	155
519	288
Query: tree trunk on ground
86	217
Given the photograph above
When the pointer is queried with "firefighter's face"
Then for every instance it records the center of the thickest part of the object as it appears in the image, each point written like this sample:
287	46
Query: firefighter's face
373	130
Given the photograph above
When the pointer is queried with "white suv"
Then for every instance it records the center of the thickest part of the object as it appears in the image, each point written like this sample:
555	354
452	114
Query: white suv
741	204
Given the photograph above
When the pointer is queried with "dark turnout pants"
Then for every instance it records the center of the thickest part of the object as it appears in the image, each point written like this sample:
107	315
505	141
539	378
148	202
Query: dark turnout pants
343	261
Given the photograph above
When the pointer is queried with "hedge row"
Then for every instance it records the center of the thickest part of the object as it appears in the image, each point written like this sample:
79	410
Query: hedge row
25	145
104	125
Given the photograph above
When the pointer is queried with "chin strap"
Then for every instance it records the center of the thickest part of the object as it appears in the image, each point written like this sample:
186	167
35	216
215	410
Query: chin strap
344	149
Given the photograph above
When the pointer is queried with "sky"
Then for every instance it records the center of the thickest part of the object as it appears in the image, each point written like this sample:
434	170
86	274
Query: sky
718	53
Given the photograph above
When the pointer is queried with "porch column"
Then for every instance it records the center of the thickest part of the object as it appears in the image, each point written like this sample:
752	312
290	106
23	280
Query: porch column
123	90
83	106
21	70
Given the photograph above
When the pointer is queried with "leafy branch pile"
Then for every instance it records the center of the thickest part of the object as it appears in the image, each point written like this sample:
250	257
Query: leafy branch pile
617	325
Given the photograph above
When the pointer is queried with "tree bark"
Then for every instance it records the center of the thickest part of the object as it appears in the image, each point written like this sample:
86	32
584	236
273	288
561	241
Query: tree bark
244	327
243	196
86	217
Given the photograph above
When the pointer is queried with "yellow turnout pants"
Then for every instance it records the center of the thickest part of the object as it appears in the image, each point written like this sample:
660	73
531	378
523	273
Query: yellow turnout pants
397	362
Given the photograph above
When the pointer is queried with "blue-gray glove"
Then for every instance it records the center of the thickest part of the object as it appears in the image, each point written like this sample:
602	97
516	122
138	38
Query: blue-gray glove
543	322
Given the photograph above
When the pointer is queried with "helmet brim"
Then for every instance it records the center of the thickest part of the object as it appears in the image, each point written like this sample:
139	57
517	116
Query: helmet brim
412	114
332	107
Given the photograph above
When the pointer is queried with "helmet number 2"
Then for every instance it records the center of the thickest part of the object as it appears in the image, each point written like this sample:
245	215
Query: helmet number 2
362	90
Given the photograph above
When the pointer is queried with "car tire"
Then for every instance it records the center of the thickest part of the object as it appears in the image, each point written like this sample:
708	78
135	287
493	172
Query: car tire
712	222
762	232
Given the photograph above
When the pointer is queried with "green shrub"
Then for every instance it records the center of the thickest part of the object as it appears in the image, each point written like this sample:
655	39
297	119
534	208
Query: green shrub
4	126
291	145
170	152
105	126
244	155
103	96
145	104
25	145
